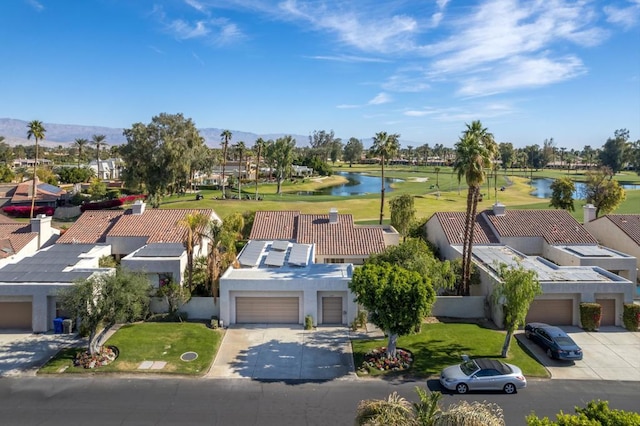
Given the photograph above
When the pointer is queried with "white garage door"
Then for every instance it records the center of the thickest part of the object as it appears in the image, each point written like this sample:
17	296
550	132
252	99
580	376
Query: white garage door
15	315
332	310
608	307
551	311
269	310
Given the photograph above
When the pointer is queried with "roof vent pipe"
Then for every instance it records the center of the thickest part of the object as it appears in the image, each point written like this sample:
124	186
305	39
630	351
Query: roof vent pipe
333	215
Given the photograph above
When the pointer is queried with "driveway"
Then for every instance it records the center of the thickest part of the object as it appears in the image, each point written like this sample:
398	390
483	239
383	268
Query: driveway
609	354
284	352
22	353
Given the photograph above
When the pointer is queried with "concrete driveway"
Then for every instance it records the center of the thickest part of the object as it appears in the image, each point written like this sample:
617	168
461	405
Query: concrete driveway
284	352
22	353
612	353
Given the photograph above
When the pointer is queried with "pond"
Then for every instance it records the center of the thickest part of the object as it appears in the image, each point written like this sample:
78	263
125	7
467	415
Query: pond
357	184
542	188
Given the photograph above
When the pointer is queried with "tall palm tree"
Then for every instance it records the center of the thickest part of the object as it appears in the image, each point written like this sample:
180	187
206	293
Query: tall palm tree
258	147
194	223
226	137
240	149
474	152
385	146
80	143
37	130
98	141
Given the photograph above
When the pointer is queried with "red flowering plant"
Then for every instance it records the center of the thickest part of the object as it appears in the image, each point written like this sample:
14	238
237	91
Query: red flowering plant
377	359
105	356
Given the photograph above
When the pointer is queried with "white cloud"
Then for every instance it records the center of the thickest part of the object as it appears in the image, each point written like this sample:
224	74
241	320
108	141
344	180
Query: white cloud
36	5
379	99
196	5
347	58
347	106
418	113
627	17
407	80
183	30
155	49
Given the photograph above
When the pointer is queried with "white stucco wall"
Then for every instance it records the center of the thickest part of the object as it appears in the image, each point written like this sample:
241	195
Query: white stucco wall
40	296
154	266
459	306
611	236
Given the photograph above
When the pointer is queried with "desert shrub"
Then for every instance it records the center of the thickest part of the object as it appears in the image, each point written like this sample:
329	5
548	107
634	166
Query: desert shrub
631	316
590	315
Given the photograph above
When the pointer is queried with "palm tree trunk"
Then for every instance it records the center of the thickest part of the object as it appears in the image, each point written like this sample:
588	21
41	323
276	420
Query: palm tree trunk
257	173
466	241
472	223
34	189
239	177
382	194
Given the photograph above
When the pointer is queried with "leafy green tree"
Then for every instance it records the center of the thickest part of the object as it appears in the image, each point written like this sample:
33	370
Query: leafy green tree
562	194
603	191
160	157
81	144
321	143
403	213
97	189
37	131
6	152
226	137
259	148
106	299
507	154
596	413
396	298
6	173
174	295
614	151
474	152
194	224
515	292
74	174
634	155
353	151
336	150
280	157
385	146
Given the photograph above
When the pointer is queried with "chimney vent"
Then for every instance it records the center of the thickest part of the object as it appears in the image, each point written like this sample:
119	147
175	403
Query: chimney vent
138	207
333	215
588	213
499	209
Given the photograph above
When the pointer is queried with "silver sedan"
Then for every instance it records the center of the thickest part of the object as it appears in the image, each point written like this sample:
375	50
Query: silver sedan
483	374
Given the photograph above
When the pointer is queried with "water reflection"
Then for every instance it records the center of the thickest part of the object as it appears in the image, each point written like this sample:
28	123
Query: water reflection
357	184
542	188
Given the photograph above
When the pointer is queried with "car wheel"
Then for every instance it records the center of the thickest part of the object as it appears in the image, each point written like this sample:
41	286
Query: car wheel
509	388
549	353
527	334
462	388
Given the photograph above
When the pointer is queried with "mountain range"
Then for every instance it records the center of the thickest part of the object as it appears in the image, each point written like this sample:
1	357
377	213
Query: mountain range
15	133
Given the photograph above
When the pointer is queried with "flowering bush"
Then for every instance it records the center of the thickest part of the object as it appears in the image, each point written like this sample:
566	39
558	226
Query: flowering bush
107	204
106	356
376	359
590	315
25	211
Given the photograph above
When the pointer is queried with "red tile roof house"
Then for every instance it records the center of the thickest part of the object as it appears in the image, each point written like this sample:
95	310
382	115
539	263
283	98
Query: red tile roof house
19	239
618	231
46	194
336	237
143	239
571	266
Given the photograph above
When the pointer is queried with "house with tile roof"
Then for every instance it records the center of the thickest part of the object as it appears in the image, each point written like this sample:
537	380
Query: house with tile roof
572	267
46	194
19	239
135	234
618	231
335	236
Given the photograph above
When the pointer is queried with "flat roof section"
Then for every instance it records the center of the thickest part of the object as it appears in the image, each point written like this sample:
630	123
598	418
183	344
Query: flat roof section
593	251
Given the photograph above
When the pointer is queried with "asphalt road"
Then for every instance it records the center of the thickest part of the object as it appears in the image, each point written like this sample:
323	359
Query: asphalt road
168	401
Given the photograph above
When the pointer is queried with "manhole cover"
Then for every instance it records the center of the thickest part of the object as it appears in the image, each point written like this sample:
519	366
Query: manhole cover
188	356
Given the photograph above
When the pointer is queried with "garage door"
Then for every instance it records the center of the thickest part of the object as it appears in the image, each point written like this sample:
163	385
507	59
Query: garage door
608	311
551	311
15	315
332	310
270	310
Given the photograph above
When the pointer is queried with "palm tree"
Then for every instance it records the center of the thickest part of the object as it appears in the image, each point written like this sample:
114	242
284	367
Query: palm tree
240	149
37	130
98	140
385	146
193	223
226	137
474	153
221	252
80	143
258	147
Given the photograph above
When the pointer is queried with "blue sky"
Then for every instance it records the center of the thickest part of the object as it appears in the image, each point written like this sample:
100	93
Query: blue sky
529	70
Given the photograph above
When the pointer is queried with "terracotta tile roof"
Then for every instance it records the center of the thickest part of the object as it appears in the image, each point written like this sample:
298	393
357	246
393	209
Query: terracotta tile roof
275	225
45	192
555	226
342	238
91	227
156	225
628	223
453	225
14	237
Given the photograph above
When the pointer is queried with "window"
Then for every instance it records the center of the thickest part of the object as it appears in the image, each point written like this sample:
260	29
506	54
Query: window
334	260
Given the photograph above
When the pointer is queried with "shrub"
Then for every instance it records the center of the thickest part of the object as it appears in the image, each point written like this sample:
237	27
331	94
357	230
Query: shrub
631	316
308	322
107	204
590	314
25	211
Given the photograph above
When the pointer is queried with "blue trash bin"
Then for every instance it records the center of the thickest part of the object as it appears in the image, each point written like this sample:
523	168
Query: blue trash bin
57	325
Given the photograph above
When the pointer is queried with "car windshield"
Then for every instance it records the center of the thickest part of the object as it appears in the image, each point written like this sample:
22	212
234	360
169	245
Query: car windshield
564	341
469	367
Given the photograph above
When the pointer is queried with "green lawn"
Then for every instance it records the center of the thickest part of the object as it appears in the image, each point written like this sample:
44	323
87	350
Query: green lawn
153	341
439	345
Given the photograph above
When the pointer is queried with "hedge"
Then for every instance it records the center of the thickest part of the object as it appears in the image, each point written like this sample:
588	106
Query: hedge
25	211
631	316
108	204
590	315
